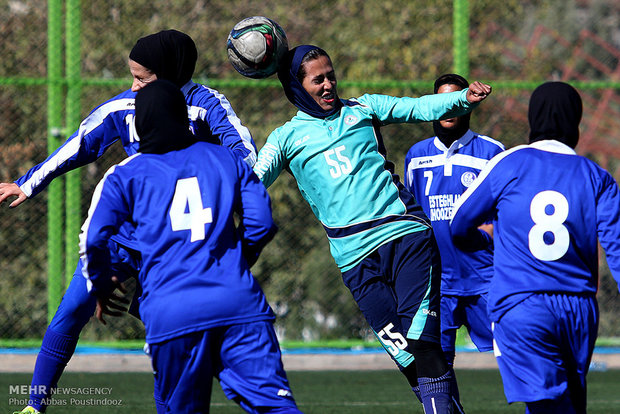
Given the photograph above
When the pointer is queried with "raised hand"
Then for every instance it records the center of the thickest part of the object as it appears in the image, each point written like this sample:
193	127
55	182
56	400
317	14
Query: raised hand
478	91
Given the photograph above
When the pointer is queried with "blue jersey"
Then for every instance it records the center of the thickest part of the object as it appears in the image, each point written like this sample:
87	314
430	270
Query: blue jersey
549	205
211	116
194	274
437	176
341	170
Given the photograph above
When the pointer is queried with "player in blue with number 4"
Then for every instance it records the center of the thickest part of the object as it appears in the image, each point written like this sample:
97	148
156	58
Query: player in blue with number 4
379	236
169	55
205	314
437	171
549	207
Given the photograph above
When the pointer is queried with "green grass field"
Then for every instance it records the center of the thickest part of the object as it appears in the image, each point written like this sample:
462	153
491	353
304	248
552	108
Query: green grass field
359	392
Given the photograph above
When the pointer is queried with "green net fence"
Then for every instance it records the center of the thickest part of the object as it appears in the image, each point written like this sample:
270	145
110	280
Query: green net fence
60	59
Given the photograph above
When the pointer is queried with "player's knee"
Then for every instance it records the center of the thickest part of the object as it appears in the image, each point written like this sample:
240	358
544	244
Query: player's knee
429	357
73	313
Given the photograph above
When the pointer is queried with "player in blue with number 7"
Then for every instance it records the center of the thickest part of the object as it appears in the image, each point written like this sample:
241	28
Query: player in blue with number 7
169	55
379	236
205	314
549	206
437	171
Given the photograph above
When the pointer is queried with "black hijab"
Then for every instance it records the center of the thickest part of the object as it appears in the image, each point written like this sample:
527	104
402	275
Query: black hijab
448	135
554	113
161	118
294	90
170	54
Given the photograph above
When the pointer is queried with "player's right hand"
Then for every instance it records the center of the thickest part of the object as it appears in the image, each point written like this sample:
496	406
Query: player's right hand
9	190
478	91
112	304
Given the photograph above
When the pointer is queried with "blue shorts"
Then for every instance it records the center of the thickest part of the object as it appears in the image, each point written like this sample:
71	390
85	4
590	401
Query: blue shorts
468	311
544	346
245	358
397	289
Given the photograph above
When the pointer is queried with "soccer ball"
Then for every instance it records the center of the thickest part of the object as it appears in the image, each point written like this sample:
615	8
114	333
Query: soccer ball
255	46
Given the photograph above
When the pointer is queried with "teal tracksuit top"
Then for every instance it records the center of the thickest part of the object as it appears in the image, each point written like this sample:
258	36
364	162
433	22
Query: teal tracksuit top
340	166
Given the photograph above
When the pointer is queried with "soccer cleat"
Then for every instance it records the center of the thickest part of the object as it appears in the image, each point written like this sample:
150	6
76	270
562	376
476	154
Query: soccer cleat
28	410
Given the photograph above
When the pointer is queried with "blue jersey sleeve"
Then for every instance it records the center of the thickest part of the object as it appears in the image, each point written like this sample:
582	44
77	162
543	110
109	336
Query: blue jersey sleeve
608	223
108	211
212	114
96	133
472	209
256	227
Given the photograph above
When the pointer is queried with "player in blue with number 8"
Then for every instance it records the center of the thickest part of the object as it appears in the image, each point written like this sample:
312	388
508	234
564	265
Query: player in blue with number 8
549	205
379	236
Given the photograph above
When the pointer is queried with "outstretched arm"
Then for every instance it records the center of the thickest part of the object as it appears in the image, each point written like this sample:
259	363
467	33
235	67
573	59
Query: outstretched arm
433	107
100	129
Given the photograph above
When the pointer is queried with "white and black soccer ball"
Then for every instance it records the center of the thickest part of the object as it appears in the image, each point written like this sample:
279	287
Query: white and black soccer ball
255	46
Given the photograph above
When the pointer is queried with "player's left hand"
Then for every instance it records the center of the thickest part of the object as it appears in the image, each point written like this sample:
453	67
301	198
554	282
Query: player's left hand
478	91
112	304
